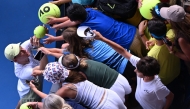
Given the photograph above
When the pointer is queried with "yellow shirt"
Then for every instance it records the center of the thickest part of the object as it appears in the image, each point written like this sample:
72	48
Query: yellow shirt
169	63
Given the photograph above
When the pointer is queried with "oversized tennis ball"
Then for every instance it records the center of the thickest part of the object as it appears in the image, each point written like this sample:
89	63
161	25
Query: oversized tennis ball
146	6
48	10
40	31
24	106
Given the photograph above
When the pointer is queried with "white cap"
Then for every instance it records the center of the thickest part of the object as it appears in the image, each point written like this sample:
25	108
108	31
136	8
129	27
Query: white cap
85	31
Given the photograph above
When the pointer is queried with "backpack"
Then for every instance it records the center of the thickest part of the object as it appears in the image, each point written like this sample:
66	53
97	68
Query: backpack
123	8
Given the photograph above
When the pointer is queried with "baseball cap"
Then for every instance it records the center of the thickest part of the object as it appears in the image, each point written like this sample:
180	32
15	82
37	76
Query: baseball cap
11	51
175	13
83	2
85	31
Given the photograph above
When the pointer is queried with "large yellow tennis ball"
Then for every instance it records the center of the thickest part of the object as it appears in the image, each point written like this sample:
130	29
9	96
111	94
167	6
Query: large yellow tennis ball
146	6
40	31
48	10
24	106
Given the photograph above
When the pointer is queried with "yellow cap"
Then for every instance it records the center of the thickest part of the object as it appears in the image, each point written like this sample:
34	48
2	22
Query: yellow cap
11	51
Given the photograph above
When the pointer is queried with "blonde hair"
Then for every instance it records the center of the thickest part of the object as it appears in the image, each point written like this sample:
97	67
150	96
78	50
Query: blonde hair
53	101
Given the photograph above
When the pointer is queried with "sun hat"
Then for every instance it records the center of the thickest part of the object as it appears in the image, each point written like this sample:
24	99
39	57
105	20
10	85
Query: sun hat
54	72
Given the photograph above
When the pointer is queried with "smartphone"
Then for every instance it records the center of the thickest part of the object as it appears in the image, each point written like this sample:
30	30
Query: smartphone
167	42
36	84
39	55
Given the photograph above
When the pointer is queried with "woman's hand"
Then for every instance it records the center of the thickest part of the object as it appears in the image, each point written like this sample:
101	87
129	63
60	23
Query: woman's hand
32	105
140	3
49	40
142	26
98	36
44	50
52	20
149	44
32	86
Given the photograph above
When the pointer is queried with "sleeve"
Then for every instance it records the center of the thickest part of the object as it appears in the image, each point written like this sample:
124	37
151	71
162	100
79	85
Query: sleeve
27	45
24	72
162	92
133	59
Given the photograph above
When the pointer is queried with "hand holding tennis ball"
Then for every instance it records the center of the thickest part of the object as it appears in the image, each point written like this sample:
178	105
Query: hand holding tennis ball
24	106
40	31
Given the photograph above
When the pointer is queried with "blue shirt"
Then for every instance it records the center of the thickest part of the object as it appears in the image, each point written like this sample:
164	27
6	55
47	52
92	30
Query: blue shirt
119	32
102	52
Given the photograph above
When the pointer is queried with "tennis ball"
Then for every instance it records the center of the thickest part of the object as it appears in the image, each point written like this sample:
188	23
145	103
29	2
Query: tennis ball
146	6
24	106
40	31
48	10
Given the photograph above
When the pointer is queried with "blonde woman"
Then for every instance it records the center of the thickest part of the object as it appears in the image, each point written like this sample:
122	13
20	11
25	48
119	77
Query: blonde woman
52	101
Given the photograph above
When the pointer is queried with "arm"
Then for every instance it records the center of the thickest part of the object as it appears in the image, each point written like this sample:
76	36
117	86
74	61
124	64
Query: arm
67	90
67	23
185	54
52	51
114	45
39	93
59	2
169	99
52	38
142	27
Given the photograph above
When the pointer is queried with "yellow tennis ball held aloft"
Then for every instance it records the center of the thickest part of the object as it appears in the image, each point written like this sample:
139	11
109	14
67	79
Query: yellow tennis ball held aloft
40	31
146	6
48	10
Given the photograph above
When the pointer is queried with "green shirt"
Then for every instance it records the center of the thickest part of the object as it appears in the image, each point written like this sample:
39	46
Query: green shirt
100	74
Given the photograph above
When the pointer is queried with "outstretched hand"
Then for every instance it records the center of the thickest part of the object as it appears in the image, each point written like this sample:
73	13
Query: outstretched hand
32	86
49	40
149	44
44	50
98	36
142	26
52	20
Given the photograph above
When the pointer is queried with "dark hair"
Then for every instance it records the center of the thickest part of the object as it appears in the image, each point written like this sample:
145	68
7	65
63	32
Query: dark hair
76	44
148	66
76	12
157	27
181	29
159	6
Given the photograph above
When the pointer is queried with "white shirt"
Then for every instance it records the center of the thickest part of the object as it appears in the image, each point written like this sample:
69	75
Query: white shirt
152	94
24	72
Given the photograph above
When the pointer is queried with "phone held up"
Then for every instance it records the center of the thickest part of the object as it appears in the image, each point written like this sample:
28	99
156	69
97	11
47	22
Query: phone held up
39	55
167	42
33	82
